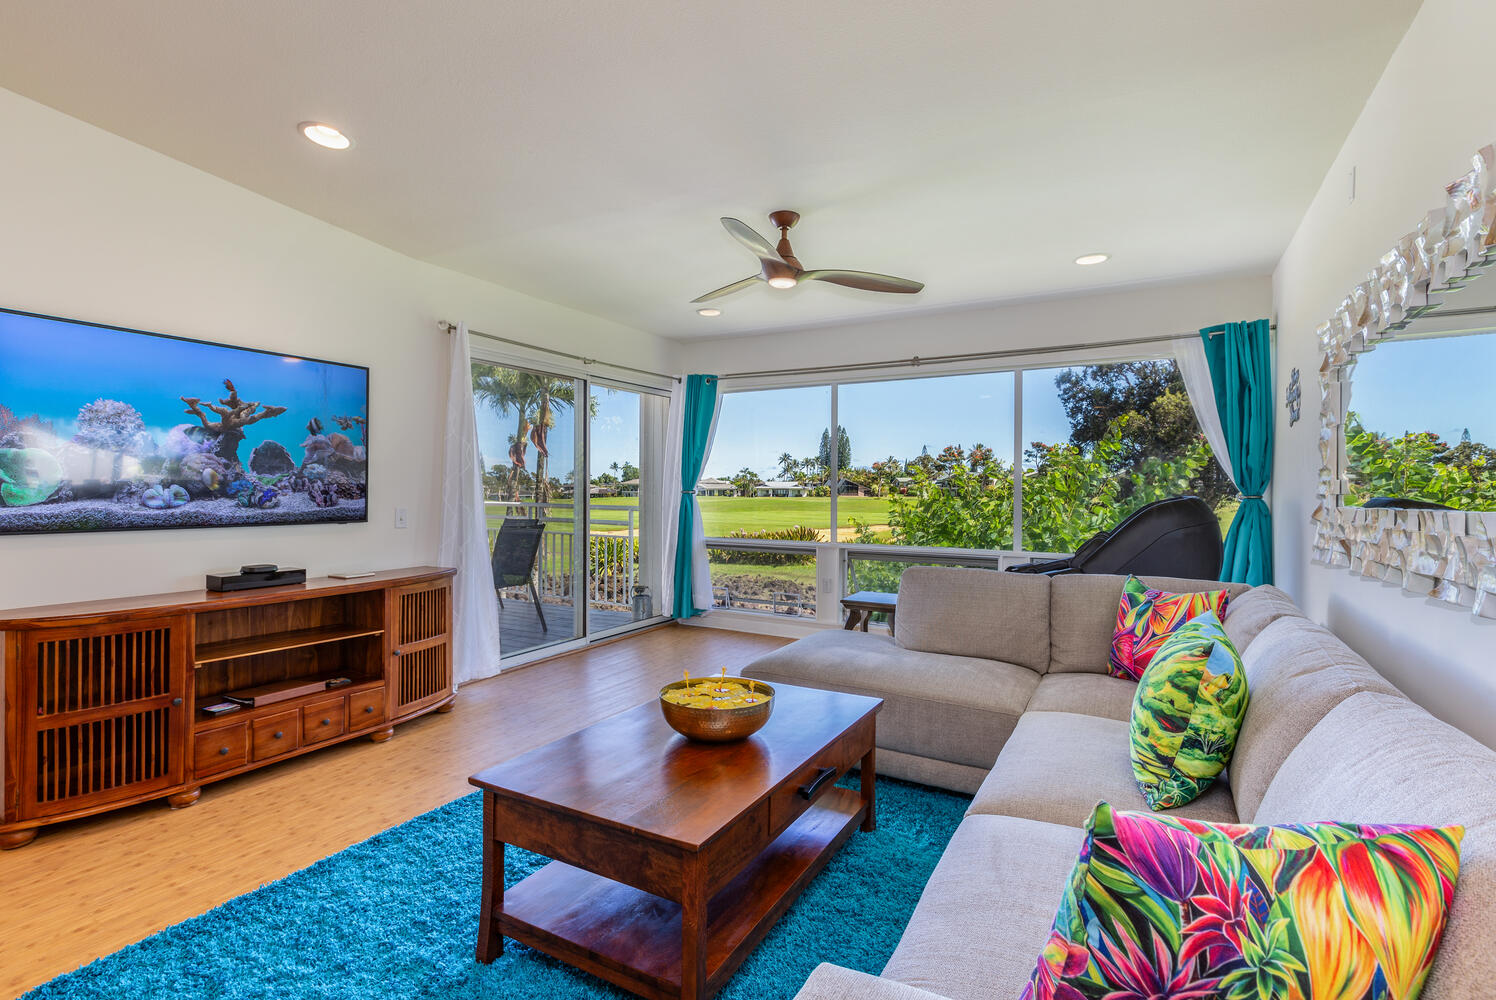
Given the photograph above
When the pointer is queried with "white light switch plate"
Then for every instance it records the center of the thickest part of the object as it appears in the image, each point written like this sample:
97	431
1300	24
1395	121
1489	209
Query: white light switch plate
402	518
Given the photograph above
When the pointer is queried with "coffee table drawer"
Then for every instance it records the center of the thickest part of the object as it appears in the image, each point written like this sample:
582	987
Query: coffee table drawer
792	798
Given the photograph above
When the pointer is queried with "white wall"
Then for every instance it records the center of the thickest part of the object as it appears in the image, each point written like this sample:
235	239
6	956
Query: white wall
97	228
1421	124
1035	324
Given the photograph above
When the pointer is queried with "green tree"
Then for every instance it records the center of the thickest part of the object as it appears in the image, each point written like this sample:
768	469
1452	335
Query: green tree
744	481
1419	465
843	449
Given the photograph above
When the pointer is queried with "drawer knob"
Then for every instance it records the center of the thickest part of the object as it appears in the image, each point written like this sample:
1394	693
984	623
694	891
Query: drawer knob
368	709
824	775
327	722
279	734
176	703
223	751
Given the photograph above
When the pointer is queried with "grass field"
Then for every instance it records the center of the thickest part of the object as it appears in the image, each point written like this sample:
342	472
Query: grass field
725	514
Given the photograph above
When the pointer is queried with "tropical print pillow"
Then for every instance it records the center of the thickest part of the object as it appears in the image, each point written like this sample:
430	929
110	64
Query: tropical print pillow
1145	618
1186	713
1163	906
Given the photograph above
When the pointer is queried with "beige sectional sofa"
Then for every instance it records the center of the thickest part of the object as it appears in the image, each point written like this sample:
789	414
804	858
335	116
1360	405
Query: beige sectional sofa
996	685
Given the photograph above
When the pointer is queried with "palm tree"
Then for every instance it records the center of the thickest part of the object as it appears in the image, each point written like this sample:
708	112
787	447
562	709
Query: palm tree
508	390
786	465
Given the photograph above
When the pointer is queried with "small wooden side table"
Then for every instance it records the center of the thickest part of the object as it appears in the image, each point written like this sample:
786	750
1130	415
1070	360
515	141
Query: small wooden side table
861	606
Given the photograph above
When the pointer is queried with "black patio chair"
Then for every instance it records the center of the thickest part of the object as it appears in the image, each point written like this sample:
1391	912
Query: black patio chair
1179	536
514	553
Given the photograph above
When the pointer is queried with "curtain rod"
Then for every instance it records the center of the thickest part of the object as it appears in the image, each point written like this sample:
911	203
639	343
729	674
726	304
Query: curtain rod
449	327
916	361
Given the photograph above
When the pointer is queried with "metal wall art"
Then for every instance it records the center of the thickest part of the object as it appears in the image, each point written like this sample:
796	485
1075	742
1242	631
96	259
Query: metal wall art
1449	556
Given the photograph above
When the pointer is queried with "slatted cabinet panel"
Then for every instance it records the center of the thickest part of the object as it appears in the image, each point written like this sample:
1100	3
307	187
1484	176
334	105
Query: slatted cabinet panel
105	714
422	654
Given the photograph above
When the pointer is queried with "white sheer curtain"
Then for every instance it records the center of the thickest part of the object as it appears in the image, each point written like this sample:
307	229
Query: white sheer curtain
1189	352
464	526
701	571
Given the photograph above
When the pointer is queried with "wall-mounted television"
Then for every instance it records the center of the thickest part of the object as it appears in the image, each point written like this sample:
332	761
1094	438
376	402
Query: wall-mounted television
108	429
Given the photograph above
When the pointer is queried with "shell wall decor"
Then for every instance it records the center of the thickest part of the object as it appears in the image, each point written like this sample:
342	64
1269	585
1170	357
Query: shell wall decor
1446	555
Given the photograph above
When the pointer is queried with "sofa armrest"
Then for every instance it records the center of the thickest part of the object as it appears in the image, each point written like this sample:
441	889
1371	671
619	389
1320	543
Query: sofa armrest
832	982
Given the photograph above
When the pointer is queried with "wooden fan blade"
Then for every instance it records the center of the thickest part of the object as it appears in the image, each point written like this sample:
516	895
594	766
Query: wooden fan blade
727	289
865	280
756	244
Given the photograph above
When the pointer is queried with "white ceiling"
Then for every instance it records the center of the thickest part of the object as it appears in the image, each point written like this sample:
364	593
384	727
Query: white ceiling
583	151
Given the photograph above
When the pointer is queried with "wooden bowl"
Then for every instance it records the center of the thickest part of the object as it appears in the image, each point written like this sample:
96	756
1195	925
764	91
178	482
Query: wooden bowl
716	725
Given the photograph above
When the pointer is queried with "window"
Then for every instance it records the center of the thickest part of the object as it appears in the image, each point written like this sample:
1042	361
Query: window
1102	441
940	462
930	463
1420	425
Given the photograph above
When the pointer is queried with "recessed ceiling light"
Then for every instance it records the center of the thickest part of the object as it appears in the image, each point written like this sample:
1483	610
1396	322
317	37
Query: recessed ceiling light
1087	259
325	135
782	281
709	311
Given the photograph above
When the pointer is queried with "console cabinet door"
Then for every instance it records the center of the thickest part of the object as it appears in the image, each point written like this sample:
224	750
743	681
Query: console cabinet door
102	715
421	616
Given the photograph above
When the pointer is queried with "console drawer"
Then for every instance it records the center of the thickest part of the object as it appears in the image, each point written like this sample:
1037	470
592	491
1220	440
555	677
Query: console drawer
276	734
220	749
322	720
365	708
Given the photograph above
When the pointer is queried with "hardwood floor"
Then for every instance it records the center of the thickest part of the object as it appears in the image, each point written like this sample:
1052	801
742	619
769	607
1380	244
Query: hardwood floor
89	888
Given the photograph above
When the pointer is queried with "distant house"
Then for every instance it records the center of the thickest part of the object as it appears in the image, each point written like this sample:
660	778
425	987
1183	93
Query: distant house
713	488
781	488
847	488
628	488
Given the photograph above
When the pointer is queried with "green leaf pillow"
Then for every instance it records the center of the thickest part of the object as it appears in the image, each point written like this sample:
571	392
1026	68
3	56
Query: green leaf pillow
1186	713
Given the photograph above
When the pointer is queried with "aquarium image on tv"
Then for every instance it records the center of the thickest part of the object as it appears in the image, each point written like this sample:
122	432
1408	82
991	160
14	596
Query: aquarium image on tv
108	429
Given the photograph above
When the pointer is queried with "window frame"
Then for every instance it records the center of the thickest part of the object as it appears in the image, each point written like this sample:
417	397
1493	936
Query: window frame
833	556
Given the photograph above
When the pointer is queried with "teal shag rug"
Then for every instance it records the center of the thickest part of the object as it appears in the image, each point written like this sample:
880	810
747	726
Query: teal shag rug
397	916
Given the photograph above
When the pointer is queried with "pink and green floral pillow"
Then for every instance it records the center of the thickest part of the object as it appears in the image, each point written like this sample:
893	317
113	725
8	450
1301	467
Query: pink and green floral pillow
1145	618
1186	713
1163	906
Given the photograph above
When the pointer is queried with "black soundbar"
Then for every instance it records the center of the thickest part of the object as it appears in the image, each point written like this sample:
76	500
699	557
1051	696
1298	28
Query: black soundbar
250	577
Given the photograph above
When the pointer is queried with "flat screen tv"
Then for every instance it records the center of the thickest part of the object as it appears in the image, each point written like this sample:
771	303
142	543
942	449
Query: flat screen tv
108	429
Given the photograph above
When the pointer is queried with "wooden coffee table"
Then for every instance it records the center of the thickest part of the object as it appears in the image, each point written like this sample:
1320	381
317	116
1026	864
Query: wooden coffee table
672	859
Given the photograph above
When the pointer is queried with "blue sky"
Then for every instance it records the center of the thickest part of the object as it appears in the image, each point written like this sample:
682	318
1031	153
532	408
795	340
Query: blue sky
615	434
1442	384
885	418
53	368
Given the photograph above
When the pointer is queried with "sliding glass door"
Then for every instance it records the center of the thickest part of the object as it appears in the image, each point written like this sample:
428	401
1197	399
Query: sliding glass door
626	427
568	560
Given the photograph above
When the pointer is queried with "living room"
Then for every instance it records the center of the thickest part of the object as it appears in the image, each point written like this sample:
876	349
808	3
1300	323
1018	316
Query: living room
326	290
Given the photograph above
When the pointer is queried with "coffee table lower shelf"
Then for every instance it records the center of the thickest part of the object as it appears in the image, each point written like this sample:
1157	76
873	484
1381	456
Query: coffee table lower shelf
633	938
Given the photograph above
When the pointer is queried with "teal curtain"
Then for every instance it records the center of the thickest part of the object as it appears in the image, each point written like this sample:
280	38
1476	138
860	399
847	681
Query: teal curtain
696	430
1240	359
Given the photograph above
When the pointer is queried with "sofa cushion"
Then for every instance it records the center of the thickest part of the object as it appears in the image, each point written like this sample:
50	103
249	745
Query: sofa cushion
1187	712
1296	672
1084	694
1159	906
1254	611
1378	758
953	708
832	982
975	612
1147	617
987	908
1083	612
1058	765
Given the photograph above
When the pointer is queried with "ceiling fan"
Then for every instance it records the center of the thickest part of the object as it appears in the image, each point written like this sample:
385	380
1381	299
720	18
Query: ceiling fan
781	269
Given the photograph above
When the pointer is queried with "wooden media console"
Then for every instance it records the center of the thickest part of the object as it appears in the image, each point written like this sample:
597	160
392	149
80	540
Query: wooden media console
104	699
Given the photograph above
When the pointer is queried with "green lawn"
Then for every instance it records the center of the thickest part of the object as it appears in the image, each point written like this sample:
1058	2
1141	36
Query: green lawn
725	514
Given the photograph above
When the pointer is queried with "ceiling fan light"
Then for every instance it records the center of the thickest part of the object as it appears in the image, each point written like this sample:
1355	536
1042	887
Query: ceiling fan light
1088	259
782	281
709	311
